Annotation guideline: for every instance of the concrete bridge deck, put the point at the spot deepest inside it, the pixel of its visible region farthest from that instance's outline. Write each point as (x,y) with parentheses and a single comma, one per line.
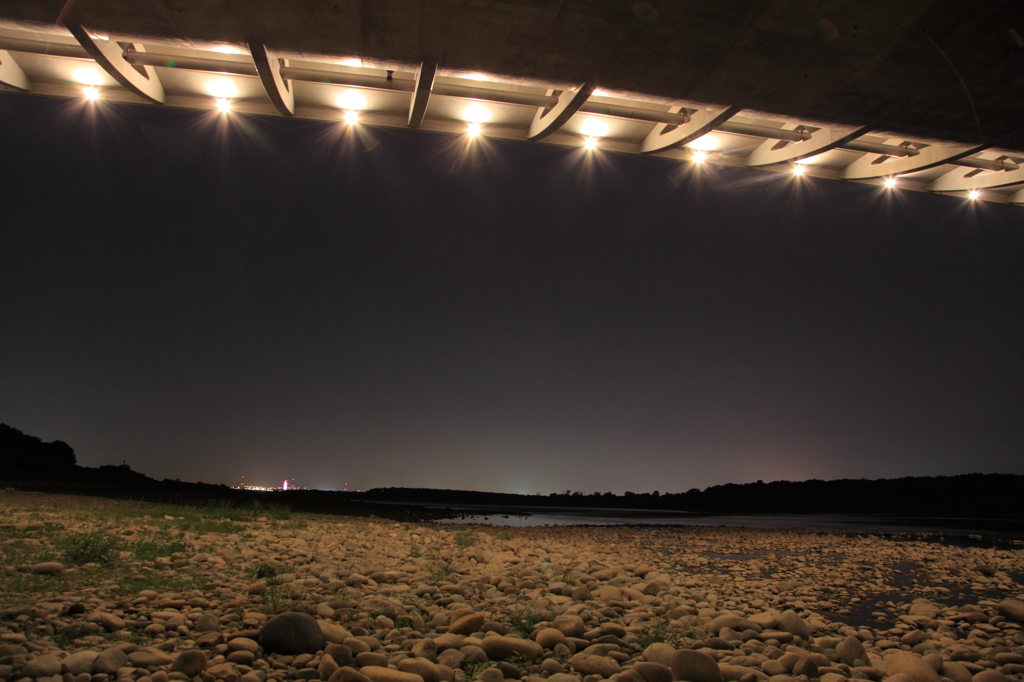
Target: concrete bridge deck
(923,94)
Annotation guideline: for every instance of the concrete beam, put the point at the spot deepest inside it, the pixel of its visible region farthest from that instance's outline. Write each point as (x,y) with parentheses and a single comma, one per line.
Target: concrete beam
(547,121)
(701,122)
(141,80)
(421,94)
(268,68)
(966,179)
(11,74)
(880,165)
(772,151)
(1016,198)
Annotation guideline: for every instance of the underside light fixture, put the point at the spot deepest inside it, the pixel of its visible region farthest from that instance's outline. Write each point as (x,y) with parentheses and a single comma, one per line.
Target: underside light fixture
(590,143)
(477,76)
(352,100)
(222,89)
(890,182)
(798,169)
(705,143)
(227,49)
(474,130)
(88,76)
(224,105)
(973,194)
(351,61)
(351,117)
(91,93)
(699,156)
(475,113)
(595,127)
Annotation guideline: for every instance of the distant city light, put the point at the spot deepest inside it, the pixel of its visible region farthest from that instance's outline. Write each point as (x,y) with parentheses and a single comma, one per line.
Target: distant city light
(890,182)
(474,130)
(699,157)
(475,113)
(590,143)
(223,105)
(91,93)
(285,486)
(973,194)
(351,100)
(798,170)
(595,127)
(351,117)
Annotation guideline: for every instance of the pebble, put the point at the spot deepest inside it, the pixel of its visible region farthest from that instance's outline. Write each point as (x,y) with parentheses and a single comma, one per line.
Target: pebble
(48,568)
(695,666)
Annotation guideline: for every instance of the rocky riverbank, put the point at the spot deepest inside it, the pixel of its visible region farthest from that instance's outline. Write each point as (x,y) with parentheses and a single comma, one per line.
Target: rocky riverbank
(97,591)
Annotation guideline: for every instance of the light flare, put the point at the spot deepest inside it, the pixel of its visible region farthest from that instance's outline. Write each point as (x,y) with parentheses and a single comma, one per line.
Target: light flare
(594,127)
(705,143)
(590,143)
(222,88)
(798,170)
(474,130)
(351,100)
(475,113)
(699,157)
(351,117)
(973,194)
(88,77)
(224,106)
(890,183)
(91,93)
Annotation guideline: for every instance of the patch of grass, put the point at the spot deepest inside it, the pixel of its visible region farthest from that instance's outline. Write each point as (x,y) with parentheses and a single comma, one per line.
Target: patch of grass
(465,538)
(522,619)
(201,525)
(149,550)
(505,535)
(88,548)
(266,571)
(563,575)
(658,630)
(441,566)
(474,668)
(416,551)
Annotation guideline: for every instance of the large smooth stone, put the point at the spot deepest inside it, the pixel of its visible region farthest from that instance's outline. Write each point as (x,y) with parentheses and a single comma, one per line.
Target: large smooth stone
(292,633)
(695,666)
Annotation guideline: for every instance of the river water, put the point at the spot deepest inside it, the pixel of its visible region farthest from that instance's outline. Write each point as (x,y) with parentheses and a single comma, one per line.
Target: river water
(558,516)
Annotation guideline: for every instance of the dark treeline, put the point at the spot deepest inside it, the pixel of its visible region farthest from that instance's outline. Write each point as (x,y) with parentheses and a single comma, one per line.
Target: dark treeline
(26,462)
(968,495)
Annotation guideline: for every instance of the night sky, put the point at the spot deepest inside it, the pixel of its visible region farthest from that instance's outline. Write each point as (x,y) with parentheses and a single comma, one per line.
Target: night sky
(208,298)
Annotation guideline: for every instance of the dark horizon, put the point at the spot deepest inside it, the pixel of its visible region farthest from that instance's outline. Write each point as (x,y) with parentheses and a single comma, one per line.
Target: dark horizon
(206,299)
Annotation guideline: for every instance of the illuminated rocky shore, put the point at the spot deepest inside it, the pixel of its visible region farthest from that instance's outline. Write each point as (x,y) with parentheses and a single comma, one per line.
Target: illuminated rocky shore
(96,590)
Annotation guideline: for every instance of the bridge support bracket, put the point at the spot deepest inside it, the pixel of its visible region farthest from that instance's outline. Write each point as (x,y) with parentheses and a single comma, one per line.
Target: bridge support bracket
(109,54)
(701,122)
(11,74)
(268,68)
(547,121)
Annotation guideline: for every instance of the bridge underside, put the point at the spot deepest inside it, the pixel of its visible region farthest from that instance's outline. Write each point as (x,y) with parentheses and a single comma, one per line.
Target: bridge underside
(928,92)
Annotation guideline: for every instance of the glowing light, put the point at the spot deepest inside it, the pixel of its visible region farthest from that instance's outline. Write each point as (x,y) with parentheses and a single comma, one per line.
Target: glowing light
(88,76)
(890,182)
(222,88)
(223,105)
(351,117)
(809,159)
(590,143)
(285,486)
(474,130)
(227,49)
(595,127)
(91,93)
(352,61)
(475,113)
(477,76)
(798,170)
(699,157)
(352,100)
(973,194)
(705,143)
(599,93)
